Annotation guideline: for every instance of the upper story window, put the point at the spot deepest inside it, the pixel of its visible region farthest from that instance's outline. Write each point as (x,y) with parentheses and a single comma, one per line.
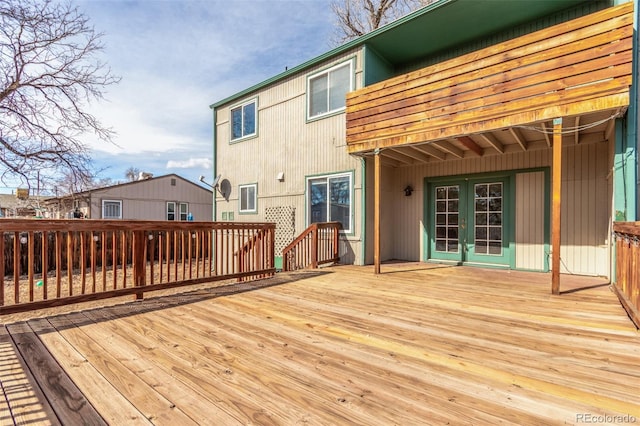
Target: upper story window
(244,120)
(111,209)
(248,198)
(327,90)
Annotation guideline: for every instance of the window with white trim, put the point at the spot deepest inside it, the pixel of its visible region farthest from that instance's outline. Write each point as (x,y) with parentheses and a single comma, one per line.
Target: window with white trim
(327,90)
(184,211)
(171,210)
(244,120)
(248,198)
(111,209)
(329,199)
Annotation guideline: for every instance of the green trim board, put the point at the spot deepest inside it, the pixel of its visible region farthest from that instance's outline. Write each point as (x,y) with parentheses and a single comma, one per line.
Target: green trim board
(469,224)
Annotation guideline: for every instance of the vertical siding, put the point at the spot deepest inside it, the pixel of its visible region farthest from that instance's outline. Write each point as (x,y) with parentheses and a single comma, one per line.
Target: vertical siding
(585,215)
(287,143)
(529,221)
(147,199)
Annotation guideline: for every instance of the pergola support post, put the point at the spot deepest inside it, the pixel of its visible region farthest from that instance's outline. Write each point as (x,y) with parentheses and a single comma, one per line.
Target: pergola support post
(376,212)
(555,205)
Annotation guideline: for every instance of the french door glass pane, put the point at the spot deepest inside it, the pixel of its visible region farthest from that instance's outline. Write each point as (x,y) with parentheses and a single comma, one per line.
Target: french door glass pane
(447,209)
(488,218)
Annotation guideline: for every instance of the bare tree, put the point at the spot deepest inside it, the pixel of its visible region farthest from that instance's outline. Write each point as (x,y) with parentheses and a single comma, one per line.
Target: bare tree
(49,73)
(132,173)
(355,18)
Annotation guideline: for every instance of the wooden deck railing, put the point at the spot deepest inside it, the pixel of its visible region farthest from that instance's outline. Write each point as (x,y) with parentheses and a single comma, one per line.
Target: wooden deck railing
(316,245)
(46,263)
(627,285)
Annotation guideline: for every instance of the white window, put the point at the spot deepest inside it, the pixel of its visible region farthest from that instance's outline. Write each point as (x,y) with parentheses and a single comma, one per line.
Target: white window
(327,90)
(329,199)
(111,209)
(171,210)
(248,198)
(184,211)
(244,120)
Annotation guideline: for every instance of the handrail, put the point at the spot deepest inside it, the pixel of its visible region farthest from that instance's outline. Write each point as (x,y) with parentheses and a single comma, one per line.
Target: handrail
(627,283)
(258,247)
(316,245)
(46,263)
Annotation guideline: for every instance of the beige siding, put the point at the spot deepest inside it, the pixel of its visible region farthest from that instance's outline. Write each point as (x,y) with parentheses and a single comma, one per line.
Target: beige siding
(148,199)
(585,204)
(287,143)
(529,221)
(585,210)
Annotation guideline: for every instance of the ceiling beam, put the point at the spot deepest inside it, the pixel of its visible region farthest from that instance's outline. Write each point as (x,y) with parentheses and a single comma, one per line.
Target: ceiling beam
(450,148)
(414,153)
(471,144)
(397,156)
(611,125)
(429,150)
(546,132)
(517,135)
(576,136)
(493,141)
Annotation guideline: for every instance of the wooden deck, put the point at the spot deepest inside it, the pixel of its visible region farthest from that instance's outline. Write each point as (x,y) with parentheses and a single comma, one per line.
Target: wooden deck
(417,344)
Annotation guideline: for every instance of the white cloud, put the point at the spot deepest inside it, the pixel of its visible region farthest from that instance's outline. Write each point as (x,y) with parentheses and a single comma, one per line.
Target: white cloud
(177,57)
(204,163)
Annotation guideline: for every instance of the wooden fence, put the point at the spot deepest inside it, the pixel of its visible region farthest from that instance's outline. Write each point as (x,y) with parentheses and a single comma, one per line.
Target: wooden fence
(627,285)
(48,263)
(316,245)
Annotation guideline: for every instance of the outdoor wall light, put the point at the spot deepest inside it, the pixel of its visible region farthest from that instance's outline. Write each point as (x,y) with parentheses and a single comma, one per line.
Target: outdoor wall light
(408,190)
(280,176)
(23,239)
(150,237)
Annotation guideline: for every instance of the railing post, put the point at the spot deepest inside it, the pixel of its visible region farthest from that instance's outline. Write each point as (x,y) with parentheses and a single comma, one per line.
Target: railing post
(336,240)
(139,262)
(314,247)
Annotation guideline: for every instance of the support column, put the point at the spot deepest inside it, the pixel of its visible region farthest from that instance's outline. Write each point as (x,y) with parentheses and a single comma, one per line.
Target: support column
(376,212)
(555,205)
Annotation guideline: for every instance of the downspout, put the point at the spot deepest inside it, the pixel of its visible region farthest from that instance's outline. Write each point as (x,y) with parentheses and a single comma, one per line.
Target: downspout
(215,164)
(363,207)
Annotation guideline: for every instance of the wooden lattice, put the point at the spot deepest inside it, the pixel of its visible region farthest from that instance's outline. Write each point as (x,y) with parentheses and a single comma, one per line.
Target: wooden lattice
(284,218)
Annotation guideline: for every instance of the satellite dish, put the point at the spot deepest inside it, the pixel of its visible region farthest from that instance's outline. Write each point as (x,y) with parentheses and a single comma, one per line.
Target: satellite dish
(216,181)
(225,189)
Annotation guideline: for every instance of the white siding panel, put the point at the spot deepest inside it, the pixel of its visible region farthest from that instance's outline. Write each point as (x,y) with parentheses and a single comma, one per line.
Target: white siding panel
(529,221)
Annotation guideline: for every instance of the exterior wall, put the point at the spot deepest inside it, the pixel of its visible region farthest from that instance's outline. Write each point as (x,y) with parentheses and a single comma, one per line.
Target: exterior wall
(530,221)
(586,202)
(288,143)
(147,200)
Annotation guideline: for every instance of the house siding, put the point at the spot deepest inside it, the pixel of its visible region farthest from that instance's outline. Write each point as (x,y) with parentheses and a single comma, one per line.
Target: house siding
(586,201)
(288,143)
(146,200)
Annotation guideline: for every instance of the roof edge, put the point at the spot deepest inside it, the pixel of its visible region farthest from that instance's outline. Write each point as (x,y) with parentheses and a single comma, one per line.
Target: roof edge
(334,52)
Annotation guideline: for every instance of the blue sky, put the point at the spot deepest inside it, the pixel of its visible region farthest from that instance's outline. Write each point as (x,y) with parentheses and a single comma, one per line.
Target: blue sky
(178,57)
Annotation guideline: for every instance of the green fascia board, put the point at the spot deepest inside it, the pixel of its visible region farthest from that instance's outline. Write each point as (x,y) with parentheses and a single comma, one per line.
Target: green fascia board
(431,29)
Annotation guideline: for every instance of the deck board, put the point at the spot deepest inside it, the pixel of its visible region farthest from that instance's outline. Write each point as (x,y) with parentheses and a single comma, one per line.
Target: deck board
(417,344)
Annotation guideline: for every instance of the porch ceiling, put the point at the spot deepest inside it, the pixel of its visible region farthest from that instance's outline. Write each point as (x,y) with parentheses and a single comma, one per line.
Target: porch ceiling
(503,98)
(596,127)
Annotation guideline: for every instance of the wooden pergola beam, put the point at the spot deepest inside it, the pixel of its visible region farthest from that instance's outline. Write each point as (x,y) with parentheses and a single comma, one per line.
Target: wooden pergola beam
(517,135)
(471,144)
(555,205)
(431,151)
(450,148)
(493,141)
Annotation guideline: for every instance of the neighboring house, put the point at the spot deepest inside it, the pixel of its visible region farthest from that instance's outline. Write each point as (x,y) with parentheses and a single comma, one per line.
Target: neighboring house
(20,204)
(432,138)
(168,197)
